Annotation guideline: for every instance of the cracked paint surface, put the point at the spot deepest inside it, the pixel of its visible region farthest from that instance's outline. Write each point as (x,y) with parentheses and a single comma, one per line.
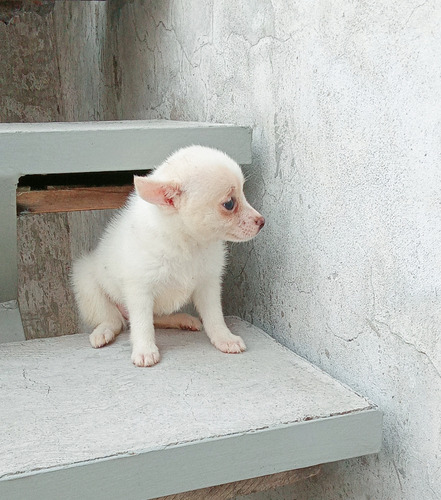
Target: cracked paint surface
(343,100)
(133,416)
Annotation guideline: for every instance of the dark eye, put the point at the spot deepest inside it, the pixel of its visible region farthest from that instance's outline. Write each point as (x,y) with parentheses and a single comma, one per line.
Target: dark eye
(229,205)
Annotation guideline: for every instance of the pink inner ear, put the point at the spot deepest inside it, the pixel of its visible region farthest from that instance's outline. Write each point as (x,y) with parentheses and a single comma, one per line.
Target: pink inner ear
(158,193)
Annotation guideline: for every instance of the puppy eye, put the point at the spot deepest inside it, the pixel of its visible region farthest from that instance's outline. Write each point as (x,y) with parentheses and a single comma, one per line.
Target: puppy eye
(229,205)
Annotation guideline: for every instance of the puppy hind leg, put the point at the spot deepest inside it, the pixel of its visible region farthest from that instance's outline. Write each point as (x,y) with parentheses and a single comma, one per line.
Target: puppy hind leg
(108,319)
(95,307)
(109,322)
(181,321)
(104,333)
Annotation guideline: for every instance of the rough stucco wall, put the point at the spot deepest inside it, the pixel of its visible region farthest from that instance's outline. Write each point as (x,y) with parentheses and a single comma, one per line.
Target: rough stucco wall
(343,98)
(28,68)
(53,62)
(84,49)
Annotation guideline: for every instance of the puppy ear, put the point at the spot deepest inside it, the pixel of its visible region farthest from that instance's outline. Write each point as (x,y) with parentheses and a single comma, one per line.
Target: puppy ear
(159,193)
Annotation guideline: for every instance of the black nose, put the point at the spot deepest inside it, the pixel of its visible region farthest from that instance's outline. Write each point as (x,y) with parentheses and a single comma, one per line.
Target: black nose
(260,221)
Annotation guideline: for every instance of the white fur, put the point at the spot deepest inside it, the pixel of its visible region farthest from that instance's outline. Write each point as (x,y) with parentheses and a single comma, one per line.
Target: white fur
(164,249)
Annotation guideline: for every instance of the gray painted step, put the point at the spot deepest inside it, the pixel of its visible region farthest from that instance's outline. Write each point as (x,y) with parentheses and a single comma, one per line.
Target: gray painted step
(11,328)
(85,423)
(44,148)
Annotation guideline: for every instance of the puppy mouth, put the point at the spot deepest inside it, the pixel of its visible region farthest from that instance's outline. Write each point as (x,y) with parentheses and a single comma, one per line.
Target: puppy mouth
(247,230)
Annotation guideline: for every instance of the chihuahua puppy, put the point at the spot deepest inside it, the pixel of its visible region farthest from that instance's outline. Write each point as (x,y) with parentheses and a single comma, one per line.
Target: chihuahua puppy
(164,249)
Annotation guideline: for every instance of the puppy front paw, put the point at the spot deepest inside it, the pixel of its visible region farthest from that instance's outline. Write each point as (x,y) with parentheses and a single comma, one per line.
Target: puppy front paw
(231,345)
(145,357)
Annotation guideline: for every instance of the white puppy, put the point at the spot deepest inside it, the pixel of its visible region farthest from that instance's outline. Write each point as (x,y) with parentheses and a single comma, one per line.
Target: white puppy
(165,248)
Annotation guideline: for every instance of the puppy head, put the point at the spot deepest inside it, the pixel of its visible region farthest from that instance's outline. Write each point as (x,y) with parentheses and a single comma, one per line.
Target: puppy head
(204,188)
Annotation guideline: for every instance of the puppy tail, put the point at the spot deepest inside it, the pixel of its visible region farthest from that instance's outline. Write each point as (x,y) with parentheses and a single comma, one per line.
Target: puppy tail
(94,305)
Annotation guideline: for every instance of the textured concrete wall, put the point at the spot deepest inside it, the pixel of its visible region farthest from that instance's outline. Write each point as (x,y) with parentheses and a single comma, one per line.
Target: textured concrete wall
(54,61)
(344,100)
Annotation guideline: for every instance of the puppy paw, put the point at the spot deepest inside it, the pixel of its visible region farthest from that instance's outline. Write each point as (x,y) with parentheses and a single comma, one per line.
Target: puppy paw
(230,345)
(182,321)
(188,322)
(101,336)
(146,357)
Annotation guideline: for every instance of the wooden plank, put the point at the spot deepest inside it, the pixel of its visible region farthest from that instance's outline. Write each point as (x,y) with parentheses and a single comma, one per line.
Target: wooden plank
(44,148)
(71,200)
(255,485)
(200,464)
(88,423)
(45,298)
(47,246)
